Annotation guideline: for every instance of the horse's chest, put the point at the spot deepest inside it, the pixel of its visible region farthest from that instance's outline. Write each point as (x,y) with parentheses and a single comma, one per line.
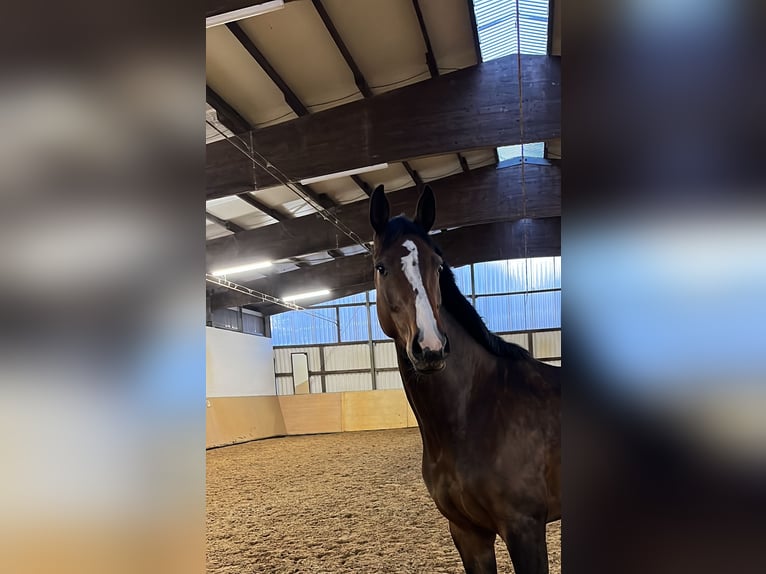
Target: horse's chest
(460,494)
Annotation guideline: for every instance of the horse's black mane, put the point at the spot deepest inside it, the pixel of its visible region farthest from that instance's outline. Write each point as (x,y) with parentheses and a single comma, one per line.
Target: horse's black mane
(452,299)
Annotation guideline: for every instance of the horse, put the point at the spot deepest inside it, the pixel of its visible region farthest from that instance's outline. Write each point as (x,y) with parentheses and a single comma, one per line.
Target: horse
(488,412)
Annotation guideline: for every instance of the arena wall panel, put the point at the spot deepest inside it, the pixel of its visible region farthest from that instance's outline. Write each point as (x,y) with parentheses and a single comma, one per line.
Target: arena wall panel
(347,357)
(312,414)
(388,380)
(547,344)
(385,355)
(283,364)
(374,410)
(230,420)
(348,382)
(520,339)
(237,364)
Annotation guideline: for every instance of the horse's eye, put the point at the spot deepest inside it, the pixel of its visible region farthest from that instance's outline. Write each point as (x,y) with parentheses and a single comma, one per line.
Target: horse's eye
(439,269)
(380,269)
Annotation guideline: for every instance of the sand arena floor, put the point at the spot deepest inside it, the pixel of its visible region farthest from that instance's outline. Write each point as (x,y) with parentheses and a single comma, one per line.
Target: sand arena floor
(340,503)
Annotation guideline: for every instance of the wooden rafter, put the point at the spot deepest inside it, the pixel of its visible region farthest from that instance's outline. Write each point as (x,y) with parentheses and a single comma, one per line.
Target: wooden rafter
(359,80)
(433,68)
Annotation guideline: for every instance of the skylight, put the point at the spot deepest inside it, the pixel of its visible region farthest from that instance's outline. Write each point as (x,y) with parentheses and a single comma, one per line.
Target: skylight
(512,151)
(496,23)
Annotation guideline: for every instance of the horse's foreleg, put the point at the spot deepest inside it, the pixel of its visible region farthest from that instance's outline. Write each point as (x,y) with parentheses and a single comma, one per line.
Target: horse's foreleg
(527,548)
(476,548)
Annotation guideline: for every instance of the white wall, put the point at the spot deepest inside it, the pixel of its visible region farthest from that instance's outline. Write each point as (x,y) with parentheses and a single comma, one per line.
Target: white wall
(238,365)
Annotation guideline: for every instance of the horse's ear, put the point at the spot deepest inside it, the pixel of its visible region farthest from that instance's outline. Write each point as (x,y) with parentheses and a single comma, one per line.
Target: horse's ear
(379,210)
(426,211)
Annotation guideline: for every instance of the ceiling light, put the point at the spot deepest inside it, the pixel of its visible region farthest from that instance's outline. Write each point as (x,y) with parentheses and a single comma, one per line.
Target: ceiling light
(243,13)
(241,268)
(348,172)
(308,295)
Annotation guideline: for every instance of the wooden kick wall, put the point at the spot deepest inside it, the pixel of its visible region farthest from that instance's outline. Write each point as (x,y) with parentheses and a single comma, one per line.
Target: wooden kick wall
(232,420)
(346,411)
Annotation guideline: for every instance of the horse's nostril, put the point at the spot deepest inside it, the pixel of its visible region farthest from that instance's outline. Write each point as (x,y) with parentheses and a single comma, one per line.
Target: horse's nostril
(446,346)
(417,350)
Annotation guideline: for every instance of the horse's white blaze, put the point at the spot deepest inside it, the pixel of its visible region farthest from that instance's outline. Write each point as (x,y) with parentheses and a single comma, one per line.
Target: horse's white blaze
(424,315)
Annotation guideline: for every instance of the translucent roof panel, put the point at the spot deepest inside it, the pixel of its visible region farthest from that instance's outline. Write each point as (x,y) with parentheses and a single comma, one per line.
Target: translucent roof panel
(496,22)
(513,151)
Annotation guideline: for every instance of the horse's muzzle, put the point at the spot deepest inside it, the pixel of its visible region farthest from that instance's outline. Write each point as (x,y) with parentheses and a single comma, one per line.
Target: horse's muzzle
(427,361)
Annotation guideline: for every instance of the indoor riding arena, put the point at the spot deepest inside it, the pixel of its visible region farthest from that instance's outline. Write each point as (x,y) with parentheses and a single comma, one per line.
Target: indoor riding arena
(315,452)
(346,503)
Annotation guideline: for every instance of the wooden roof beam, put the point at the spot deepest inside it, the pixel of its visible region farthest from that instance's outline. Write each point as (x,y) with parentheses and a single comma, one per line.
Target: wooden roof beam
(502,240)
(482,111)
(230,225)
(227,115)
(260,206)
(483,195)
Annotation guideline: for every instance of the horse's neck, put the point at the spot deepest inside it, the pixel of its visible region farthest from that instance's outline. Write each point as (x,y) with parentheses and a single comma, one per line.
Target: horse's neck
(442,401)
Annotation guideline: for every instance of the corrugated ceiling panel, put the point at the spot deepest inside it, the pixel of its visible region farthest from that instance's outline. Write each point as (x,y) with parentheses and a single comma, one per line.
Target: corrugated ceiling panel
(341,190)
(394,177)
(234,74)
(479,158)
(229,207)
(449,28)
(347,357)
(214,231)
(296,43)
(436,167)
(384,39)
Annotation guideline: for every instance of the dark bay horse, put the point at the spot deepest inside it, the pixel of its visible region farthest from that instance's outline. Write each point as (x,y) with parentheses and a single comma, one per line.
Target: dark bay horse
(489,414)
